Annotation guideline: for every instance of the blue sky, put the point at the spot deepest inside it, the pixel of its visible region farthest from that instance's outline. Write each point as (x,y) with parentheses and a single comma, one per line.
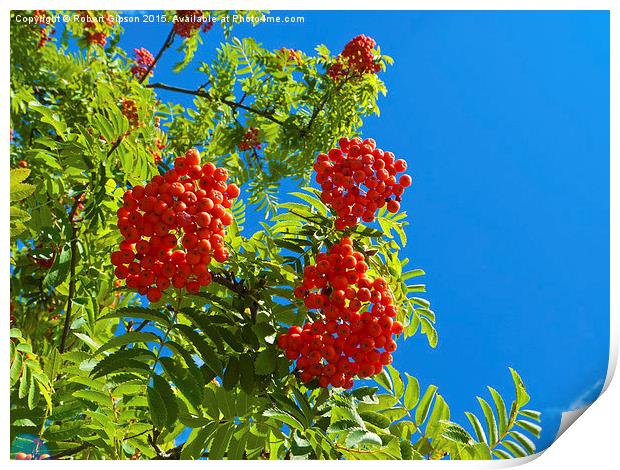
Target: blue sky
(504,120)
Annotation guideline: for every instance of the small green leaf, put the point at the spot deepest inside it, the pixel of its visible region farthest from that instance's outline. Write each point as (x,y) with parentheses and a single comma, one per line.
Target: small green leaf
(231,374)
(128,338)
(477,425)
(265,361)
(164,390)
(490,419)
(412,392)
(423,408)
(157,408)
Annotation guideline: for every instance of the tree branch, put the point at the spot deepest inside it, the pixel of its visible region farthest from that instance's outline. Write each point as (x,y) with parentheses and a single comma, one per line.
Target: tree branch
(73,263)
(323,102)
(204,94)
(167,44)
(230,283)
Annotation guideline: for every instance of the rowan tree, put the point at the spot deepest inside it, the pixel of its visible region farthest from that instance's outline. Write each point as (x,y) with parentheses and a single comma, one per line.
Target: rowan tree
(147,323)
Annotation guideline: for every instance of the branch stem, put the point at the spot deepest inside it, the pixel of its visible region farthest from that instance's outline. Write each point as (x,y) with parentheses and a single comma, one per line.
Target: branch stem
(73,263)
(204,94)
(166,45)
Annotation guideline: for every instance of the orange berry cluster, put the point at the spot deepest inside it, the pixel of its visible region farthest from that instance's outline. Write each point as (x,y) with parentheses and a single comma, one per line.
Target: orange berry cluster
(144,59)
(343,172)
(44,20)
(130,111)
(356,57)
(249,140)
(342,343)
(293,55)
(91,33)
(25,456)
(98,38)
(173,226)
(188,21)
(157,153)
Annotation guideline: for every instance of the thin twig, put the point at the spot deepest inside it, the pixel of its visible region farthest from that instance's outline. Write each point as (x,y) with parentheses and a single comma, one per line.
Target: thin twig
(167,44)
(323,102)
(73,263)
(204,94)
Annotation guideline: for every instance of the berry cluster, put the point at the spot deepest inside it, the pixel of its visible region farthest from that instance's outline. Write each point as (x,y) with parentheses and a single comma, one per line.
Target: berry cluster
(144,60)
(188,21)
(249,140)
(343,171)
(357,57)
(97,38)
(183,215)
(25,456)
(292,55)
(130,111)
(92,34)
(157,153)
(342,342)
(44,20)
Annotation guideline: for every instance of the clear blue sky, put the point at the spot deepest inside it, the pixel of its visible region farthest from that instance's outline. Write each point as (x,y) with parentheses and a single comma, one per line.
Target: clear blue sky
(504,120)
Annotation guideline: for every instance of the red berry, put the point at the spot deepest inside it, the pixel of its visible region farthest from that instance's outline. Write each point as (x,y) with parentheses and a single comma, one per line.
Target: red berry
(153,294)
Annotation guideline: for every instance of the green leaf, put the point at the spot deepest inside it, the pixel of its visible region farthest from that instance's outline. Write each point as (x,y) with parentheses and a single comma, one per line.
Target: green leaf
(342,425)
(408,452)
(522,397)
(412,392)
(456,433)
(121,360)
(138,312)
(18,175)
(502,454)
(530,427)
(16,368)
(162,387)
(197,443)
(440,413)
(514,448)
(265,361)
(535,415)
(283,417)
(21,191)
(525,441)
(52,364)
(375,419)
(236,447)
(500,406)
(94,396)
(128,338)
(209,357)
(60,268)
(359,437)
(490,419)
(231,374)
(184,380)
(157,408)
(477,425)
(383,379)
(220,441)
(425,404)
(246,369)
(397,381)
